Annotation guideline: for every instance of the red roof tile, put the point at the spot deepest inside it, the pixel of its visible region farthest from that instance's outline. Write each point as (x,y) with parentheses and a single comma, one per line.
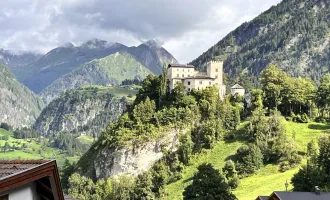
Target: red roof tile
(9,167)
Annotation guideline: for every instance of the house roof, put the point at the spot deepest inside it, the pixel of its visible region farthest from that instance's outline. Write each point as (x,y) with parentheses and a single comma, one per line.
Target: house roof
(301,195)
(16,173)
(181,65)
(11,167)
(262,197)
(237,86)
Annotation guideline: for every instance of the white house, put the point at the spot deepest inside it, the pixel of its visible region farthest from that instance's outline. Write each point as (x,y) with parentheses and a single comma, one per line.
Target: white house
(193,79)
(237,89)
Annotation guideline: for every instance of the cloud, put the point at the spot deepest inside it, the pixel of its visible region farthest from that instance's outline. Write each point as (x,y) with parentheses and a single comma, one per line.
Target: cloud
(187,27)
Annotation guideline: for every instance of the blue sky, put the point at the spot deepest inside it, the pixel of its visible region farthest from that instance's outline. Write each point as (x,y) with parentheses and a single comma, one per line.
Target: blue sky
(186,28)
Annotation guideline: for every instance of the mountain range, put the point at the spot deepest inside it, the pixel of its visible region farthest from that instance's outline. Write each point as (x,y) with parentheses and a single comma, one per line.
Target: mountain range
(37,72)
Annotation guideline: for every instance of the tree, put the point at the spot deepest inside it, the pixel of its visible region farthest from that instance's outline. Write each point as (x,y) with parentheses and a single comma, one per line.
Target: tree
(144,111)
(249,159)
(272,81)
(323,94)
(65,172)
(123,187)
(143,187)
(81,187)
(103,189)
(185,148)
(256,98)
(6,147)
(151,87)
(208,184)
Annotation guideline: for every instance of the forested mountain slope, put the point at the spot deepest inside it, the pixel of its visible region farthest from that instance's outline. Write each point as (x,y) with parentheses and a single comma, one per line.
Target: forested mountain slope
(111,70)
(86,110)
(18,105)
(295,34)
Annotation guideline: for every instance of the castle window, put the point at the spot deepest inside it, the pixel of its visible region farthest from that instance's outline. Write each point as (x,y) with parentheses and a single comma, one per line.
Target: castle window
(216,76)
(216,70)
(182,75)
(188,89)
(200,82)
(188,75)
(188,82)
(198,88)
(210,83)
(188,70)
(177,75)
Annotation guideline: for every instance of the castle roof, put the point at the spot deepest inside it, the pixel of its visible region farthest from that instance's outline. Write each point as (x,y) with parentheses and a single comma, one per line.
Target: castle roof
(237,86)
(181,65)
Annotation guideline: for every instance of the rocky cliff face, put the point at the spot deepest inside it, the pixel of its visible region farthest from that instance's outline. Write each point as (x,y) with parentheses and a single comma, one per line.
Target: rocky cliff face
(102,161)
(18,105)
(84,110)
(110,162)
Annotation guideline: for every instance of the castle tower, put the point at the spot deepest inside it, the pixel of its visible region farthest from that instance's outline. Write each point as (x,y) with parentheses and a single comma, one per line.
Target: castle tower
(215,70)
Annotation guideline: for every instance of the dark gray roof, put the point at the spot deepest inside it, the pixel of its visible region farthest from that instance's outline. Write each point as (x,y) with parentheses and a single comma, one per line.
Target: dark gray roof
(302,195)
(181,65)
(263,197)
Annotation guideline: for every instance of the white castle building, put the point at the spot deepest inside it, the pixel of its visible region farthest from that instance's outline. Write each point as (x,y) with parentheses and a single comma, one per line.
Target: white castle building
(193,79)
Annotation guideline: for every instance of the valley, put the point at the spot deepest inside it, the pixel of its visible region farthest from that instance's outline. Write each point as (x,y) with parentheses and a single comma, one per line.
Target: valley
(249,114)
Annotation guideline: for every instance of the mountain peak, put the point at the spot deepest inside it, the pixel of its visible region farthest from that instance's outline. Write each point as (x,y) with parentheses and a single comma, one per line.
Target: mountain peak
(67,45)
(153,43)
(96,43)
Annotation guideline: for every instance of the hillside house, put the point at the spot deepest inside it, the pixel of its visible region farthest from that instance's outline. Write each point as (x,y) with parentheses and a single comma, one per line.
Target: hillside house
(194,79)
(296,196)
(30,180)
(237,89)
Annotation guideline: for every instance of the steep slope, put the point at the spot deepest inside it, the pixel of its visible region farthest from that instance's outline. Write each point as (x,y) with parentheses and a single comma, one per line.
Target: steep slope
(111,70)
(18,105)
(152,55)
(63,60)
(84,110)
(295,34)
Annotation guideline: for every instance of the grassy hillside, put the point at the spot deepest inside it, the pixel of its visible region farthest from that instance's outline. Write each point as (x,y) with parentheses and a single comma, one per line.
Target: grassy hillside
(31,149)
(268,179)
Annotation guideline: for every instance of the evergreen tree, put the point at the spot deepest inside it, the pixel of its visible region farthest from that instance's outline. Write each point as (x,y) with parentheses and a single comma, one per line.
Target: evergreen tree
(208,184)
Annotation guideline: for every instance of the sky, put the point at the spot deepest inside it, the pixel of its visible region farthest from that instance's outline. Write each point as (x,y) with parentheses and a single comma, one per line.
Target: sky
(186,28)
